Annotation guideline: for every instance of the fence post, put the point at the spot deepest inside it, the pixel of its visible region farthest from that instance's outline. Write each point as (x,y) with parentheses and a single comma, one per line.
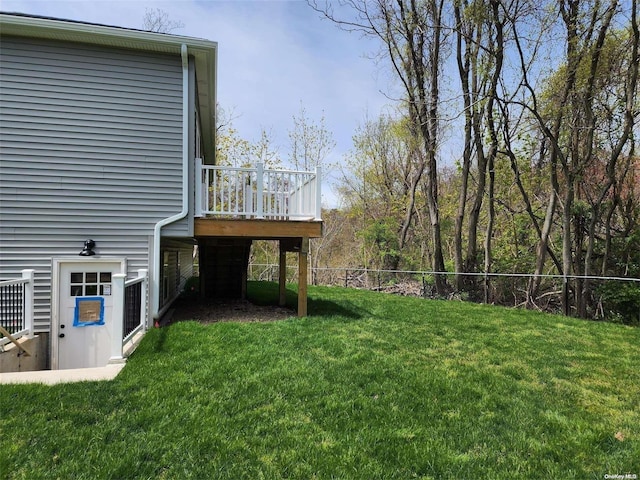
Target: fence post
(565,295)
(259,190)
(144,273)
(117,317)
(486,288)
(28,299)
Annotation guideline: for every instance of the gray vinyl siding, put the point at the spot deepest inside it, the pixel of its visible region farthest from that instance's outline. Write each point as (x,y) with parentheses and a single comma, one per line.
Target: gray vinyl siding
(90,147)
(177,258)
(184,227)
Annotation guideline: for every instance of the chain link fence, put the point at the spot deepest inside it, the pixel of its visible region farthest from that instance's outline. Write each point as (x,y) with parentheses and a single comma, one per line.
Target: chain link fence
(600,298)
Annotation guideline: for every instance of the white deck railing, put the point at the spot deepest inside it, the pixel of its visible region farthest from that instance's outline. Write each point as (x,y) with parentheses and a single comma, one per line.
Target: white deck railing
(129,311)
(16,306)
(257,193)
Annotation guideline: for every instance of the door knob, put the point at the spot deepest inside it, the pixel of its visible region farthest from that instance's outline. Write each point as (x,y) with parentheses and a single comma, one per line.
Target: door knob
(61,335)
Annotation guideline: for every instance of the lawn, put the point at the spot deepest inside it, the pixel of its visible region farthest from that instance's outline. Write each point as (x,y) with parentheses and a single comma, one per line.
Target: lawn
(369,386)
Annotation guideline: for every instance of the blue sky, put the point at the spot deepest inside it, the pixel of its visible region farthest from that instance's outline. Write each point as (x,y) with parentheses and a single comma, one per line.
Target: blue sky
(273,57)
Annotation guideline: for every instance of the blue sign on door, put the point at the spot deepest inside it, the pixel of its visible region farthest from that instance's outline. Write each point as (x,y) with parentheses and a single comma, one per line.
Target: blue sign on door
(89,311)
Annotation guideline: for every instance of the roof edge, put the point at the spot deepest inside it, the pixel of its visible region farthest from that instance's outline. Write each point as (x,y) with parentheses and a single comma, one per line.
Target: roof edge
(45,27)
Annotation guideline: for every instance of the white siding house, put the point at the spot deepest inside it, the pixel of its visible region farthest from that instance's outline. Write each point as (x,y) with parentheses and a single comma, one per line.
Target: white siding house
(108,134)
(98,141)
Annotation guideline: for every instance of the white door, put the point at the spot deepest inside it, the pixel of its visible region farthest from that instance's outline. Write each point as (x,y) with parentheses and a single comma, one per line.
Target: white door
(82,329)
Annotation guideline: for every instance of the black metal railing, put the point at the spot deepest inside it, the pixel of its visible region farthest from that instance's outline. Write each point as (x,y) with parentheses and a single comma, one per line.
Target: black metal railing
(132,308)
(12,306)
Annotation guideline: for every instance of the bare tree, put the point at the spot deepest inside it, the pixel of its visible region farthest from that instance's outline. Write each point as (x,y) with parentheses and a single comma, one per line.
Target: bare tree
(157,20)
(412,35)
(479,52)
(311,142)
(566,115)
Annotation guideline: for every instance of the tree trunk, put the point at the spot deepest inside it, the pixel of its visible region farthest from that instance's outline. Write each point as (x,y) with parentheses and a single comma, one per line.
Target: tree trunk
(498,50)
(489,232)
(463,70)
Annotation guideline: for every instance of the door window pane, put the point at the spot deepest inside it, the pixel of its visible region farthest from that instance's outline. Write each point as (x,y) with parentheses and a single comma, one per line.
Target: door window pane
(90,283)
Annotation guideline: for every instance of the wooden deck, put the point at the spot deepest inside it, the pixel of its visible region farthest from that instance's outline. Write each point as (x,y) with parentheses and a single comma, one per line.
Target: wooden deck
(236,205)
(293,236)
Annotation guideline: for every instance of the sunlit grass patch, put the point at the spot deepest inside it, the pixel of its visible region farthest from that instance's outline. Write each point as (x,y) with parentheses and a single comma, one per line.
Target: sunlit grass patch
(367,386)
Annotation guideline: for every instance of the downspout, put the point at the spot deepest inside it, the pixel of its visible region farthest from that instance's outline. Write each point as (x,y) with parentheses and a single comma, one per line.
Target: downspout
(155,281)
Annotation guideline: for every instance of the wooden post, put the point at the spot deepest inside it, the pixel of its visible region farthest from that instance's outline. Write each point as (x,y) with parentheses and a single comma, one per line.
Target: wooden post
(243,286)
(13,340)
(282,277)
(302,277)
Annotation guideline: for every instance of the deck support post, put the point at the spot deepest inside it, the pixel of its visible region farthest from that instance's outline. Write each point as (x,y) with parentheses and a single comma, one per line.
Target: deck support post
(243,286)
(282,277)
(303,255)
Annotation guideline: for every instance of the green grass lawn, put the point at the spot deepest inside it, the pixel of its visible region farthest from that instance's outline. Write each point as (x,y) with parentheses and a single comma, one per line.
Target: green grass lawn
(369,386)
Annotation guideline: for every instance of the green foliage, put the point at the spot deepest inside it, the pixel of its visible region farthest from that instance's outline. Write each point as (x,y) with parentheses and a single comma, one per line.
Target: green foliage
(621,301)
(382,238)
(379,177)
(514,248)
(234,150)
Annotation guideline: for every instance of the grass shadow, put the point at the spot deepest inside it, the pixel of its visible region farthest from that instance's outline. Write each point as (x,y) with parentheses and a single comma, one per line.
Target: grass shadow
(159,339)
(267,293)
(322,308)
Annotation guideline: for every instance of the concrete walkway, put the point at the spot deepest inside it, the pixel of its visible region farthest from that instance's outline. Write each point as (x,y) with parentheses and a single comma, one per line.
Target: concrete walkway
(71,375)
(51,377)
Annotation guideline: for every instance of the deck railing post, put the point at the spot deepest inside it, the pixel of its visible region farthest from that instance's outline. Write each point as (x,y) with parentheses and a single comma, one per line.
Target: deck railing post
(117,317)
(318,193)
(259,190)
(199,181)
(144,273)
(28,300)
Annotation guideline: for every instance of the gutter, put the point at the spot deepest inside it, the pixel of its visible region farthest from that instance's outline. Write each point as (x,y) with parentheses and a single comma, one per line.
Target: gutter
(155,259)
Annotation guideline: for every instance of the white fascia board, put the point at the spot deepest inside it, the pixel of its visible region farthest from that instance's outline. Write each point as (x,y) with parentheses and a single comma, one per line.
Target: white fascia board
(99,34)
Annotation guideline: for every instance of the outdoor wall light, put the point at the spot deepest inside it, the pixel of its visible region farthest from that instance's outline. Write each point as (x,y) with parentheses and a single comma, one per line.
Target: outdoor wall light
(87,251)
